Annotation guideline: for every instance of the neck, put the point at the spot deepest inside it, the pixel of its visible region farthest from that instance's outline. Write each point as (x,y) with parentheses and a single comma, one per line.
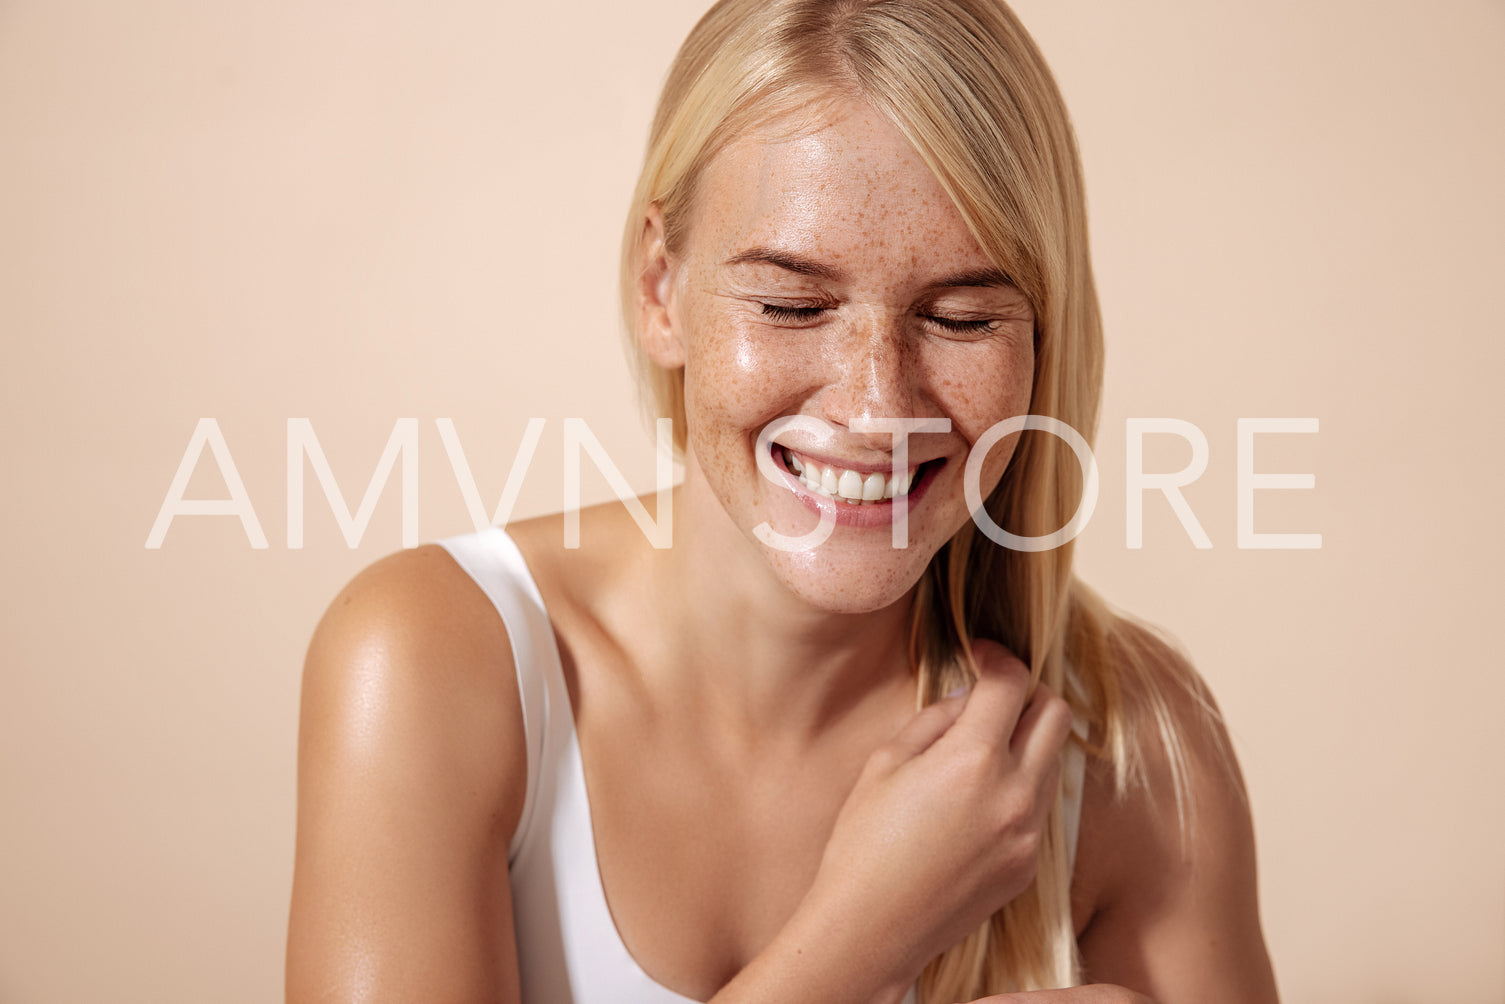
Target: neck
(739,649)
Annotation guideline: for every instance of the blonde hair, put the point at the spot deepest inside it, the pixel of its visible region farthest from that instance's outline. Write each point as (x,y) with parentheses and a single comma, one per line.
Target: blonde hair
(965,84)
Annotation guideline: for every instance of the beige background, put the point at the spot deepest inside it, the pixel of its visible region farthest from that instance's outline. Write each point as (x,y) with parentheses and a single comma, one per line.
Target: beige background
(356,213)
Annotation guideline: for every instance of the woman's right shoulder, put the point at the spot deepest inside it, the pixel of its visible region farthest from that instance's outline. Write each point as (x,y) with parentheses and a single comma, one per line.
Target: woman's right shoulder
(411,778)
(411,596)
(410,665)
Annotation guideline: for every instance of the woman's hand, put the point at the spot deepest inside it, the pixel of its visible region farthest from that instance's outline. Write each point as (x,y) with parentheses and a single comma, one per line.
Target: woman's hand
(944,823)
(940,831)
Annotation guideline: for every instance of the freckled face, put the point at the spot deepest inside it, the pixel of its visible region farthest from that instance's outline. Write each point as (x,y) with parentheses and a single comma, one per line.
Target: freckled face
(827,274)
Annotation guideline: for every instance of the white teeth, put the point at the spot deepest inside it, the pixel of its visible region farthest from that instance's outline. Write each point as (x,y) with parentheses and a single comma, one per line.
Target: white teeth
(852,487)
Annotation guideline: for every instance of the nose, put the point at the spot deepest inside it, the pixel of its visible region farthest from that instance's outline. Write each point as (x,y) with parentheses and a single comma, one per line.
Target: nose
(877,371)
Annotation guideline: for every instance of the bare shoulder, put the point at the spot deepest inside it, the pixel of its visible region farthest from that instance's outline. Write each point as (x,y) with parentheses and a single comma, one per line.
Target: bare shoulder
(1182,773)
(411,646)
(408,597)
(1167,864)
(411,776)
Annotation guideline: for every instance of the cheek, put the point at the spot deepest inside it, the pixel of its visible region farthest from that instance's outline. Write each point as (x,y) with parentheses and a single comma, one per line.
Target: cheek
(736,381)
(737,368)
(982,390)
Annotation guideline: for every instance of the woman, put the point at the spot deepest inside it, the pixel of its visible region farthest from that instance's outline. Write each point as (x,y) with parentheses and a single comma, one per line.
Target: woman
(619,773)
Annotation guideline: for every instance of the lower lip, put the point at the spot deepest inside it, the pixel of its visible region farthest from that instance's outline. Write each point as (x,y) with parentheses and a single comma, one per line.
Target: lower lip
(868,514)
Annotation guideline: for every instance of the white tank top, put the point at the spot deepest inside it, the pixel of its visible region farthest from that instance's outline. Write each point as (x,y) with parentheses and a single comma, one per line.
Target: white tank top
(568,948)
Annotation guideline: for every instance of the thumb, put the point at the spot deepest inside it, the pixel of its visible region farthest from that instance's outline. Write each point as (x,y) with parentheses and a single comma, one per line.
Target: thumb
(928,725)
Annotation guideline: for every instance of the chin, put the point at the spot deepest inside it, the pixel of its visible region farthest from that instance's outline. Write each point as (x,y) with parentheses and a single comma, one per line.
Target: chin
(842,581)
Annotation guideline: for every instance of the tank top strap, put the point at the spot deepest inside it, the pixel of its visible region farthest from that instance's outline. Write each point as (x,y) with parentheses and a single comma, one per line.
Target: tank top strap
(569,949)
(491,558)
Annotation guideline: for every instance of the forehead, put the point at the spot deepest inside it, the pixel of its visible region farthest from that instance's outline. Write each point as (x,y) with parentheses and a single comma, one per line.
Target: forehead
(841,185)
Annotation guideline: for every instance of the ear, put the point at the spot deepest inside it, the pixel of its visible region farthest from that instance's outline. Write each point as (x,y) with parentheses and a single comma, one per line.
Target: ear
(658,320)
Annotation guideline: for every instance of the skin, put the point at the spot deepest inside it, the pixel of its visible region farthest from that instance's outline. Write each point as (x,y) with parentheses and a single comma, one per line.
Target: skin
(765,801)
(888,334)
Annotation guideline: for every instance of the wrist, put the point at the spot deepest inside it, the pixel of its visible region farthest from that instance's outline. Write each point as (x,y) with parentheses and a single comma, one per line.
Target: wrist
(849,939)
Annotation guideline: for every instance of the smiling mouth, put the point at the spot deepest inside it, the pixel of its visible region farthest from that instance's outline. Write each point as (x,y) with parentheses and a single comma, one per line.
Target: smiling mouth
(857,488)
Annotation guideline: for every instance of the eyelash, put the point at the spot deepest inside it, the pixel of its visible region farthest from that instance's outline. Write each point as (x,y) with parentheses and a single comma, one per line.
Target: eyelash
(797,314)
(779,313)
(961,327)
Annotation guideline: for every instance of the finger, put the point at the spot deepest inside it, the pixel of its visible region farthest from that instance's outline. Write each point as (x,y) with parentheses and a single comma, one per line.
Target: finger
(997,698)
(1042,730)
(928,725)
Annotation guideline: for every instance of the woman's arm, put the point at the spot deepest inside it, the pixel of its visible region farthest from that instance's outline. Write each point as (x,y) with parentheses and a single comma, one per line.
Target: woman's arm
(410,783)
(1175,920)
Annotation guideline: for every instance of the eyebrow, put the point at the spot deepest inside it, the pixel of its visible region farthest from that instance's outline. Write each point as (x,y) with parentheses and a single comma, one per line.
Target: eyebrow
(788,261)
(801,265)
(974,277)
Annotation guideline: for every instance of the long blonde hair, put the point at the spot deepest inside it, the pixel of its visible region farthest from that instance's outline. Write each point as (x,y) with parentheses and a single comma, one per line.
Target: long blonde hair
(965,84)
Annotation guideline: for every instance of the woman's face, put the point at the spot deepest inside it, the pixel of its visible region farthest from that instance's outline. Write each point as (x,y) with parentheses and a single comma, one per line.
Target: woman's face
(826,273)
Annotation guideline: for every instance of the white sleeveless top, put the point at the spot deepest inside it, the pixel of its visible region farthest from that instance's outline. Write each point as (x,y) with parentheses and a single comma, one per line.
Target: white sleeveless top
(568,948)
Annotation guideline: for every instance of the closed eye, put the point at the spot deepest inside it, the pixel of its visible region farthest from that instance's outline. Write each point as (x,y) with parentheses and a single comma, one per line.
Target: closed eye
(961,326)
(952,325)
(795,314)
